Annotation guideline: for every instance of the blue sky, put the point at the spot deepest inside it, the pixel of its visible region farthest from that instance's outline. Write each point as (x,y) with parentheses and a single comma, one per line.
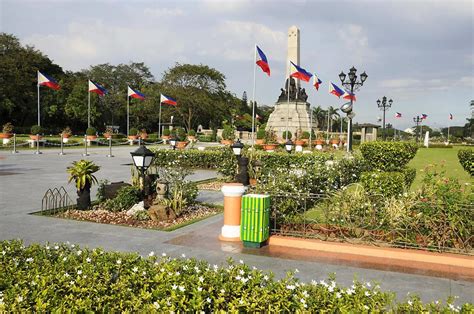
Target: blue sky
(419,53)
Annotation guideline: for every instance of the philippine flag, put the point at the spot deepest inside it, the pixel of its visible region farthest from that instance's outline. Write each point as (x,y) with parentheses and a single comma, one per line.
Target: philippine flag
(316,82)
(450,116)
(44,80)
(335,90)
(398,115)
(257,117)
(299,73)
(96,88)
(262,61)
(424,116)
(168,100)
(349,96)
(135,94)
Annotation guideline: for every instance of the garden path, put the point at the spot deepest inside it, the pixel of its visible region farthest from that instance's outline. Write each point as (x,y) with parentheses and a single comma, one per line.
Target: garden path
(25,177)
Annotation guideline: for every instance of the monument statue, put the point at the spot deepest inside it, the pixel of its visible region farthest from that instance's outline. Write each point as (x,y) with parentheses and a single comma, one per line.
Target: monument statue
(292,110)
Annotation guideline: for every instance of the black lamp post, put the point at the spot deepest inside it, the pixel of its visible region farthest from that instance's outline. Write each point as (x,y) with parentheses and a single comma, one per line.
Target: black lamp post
(384,106)
(173,141)
(353,85)
(289,146)
(142,159)
(417,120)
(243,162)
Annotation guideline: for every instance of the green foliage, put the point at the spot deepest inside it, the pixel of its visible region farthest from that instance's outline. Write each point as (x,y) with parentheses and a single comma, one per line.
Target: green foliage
(180,191)
(180,134)
(133,132)
(82,173)
(305,135)
(76,279)
(466,159)
(101,190)
(7,128)
(91,131)
(67,131)
(36,129)
(387,184)
(388,156)
(270,137)
(127,196)
(439,145)
(192,132)
(166,132)
(261,134)
(228,133)
(287,136)
(410,174)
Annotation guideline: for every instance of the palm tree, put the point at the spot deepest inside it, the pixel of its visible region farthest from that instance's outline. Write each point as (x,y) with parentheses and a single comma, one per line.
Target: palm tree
(82,173)
(319,115)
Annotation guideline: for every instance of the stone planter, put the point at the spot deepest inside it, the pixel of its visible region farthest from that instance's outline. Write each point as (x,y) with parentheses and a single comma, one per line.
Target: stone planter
(91,137)
(319,142)
(227,142)
(191,138)
(181,144)
(5,135)
(260,141)
(107,135)
(35,138)
(133,137)
(270,147)
(299,143)
(144,136)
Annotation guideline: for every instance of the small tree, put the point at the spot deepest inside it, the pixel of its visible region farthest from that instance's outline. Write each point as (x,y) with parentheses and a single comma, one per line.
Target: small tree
(36,129)
(82,173)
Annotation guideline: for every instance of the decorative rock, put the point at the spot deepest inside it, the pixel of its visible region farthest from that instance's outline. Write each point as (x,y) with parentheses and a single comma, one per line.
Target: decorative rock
(136,208)
(201,148)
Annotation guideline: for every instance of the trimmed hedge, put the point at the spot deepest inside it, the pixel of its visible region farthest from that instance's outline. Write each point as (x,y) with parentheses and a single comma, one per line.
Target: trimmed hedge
(66,278)
(388,156)
(466,159)
(386,184)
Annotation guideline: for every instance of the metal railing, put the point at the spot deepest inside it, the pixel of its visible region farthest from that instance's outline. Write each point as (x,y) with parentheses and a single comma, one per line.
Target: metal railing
(56,200)
(316,216)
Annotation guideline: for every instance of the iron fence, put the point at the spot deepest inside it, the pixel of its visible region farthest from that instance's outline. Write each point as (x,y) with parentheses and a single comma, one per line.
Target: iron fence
(56,200)
(426,226)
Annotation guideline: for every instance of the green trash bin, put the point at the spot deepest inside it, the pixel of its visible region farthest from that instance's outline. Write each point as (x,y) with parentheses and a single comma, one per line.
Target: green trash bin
(255,220)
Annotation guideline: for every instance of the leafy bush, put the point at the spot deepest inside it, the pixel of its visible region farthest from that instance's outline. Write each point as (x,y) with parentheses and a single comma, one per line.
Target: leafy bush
(387,184)
(126,198)
(305,135)
(166,132)
(180,191)
(466,159)
(8,128)
(261,133)
(388,156)
(410,174)
(284,135)
(439,145)
(228,133)
(91,131)
(36,129)
(192,132)
(75,279)
(133,132)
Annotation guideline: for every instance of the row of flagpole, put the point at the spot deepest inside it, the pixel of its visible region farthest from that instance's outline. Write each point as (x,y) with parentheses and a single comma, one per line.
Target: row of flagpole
(93,87)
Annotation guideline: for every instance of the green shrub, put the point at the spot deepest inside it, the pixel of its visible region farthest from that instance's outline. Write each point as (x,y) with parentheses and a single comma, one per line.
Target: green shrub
(91,131)
(386,184)
(466,159)
(439,145)
(305,135)
(228,133)
(76,279)
(8,128)
(180,191)
(133,132)
(388,156)
(284,135)
(127,196)
(36,129)
(410,174)
(261,133)
(180,134)
(192,132)
(166,132)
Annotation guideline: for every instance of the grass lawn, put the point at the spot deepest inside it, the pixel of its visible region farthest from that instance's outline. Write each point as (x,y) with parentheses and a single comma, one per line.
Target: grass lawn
(439,156)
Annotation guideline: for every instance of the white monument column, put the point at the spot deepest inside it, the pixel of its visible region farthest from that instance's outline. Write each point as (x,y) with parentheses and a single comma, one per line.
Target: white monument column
(293,50)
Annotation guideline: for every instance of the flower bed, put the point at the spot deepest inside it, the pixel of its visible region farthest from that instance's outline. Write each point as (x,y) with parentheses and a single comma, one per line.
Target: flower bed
(67,278)
(192,213)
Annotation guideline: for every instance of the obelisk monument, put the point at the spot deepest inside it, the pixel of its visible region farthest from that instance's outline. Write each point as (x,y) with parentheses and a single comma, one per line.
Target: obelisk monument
(292,111)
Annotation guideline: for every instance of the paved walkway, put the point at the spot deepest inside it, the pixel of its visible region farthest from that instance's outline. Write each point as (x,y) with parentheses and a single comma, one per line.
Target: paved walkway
(25,177)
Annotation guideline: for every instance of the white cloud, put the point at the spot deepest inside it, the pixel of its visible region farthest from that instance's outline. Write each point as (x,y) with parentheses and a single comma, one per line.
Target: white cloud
(163,12)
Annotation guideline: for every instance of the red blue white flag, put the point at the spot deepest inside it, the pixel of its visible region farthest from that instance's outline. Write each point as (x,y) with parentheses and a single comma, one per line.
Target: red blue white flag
(44,80)
(135,94)
(168,100)
(299,73)
(424,116)
(450,116)
(96,88)
(398,115)
(349,96)
(316,82)
(262,61)
(335,90)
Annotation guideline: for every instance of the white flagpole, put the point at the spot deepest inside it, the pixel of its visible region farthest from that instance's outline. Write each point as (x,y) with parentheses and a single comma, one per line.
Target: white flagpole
(88,107)
(288,103)
(39,113)
(448,131)
(159,121)
(128,114)
(253,94)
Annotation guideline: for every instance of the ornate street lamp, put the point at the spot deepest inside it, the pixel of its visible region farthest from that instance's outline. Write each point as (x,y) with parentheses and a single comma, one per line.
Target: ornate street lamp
(142,159)
(237,148)
(289,146)
(351,83)
(417,120)
(173,141)
(384,106)
(243,162)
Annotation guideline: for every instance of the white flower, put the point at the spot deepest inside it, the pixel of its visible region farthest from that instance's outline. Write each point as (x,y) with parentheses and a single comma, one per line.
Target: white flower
(305,293)
(242,272)
(296,270)
(350,291)
(150,255)
(163,254)
(244,280)
(79,252)
(79,272)
(254,268)
(322,282)
(19,298)
(183,255)
(119,261)
(71,282)
(215,267)
(29,259)
(290,287)
(3,252)
(201,279)
(410,303)
(330,288)
(314,282)
(451,307)
(174,287)
(367,294)
(222,291)
(368,284)
(181,288)
(88,260)
(73,246)
(162,270)
(265,277)
(366,307)
(56,247)
(33,283)
(302,300)
(338,295)
(199,289)
(66,275)
(156,305)
(238,277)
(143,273)
(135,269)
(47,247)
(208,300)
(177,273)
(241,261)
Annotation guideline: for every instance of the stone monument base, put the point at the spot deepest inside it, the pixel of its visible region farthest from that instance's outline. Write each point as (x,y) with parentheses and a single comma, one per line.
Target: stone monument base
(298,113)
